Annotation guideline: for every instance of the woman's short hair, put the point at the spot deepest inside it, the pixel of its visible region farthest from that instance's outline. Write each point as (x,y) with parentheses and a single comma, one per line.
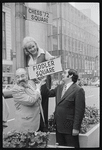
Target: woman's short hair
(74,73)
(28,39)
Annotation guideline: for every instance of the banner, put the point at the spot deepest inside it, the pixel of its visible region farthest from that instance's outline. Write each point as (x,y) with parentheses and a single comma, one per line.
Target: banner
(33,14)
(45,68)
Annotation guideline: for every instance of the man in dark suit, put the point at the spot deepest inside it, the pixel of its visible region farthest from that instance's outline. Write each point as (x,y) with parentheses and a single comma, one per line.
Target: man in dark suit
(70,108)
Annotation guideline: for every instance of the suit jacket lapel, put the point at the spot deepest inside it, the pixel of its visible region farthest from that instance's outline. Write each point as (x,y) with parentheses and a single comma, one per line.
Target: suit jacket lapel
(67,93)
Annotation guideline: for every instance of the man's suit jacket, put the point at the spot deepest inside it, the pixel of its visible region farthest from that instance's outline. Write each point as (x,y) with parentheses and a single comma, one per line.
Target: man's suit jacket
(70,109)
(27,103)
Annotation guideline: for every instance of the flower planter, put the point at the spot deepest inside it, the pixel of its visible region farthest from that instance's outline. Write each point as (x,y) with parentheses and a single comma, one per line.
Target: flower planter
(90,139)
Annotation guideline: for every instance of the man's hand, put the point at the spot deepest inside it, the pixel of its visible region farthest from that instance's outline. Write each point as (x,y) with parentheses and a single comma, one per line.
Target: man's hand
(25,85)
(41,83)
(75,132)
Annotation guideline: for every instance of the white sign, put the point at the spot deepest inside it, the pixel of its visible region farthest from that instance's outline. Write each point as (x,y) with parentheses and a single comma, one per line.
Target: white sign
(45,68)
(38,15)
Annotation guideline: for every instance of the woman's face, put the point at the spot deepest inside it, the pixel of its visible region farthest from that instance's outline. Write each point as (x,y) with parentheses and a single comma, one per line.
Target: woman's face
(32,48)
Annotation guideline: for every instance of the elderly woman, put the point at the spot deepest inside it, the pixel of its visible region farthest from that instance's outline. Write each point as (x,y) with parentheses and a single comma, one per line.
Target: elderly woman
(35,55)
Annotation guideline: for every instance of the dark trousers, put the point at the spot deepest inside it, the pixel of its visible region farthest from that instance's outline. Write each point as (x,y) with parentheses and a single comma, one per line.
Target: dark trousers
(67,140)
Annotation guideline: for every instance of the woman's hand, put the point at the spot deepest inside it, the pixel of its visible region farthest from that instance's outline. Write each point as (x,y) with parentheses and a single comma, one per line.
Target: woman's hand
(41,82)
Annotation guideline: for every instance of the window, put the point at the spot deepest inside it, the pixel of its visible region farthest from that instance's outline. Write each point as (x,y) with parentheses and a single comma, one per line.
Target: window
(54,27)
(58,10)
(81,47)
(63,10)
(49,44)
(54,10)
(63,26)
(59,42)
(59,26)
(55,44)
(49,30)
(71,43)
(76,62)
(68,28)
(68,41)
(78,46)
(65,42)
(82,62)
(69,61)
(66,59)
(3,36)
(73,62)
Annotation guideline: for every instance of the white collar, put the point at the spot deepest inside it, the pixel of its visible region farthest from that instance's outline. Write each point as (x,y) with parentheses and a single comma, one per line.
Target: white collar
(69,84)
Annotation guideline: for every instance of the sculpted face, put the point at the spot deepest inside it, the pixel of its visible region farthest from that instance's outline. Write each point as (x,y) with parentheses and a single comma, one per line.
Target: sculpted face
(31,48)
(21,76)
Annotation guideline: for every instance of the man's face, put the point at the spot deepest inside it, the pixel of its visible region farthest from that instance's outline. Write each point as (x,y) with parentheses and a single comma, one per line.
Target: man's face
(21,76)
(64,75)
(32,48)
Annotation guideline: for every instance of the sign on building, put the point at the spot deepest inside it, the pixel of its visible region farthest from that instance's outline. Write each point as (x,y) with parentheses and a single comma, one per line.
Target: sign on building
(45,68)
(7,68)
(33,14)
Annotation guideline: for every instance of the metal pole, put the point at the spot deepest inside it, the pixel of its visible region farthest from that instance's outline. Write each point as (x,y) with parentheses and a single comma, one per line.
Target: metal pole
(19,33)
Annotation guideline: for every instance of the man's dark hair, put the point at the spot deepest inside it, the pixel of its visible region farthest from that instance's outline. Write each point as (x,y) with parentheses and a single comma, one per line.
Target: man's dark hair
(75,75)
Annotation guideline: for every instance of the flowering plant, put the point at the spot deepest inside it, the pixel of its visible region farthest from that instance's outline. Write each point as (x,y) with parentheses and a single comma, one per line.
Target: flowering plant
(28,139)
(91,117)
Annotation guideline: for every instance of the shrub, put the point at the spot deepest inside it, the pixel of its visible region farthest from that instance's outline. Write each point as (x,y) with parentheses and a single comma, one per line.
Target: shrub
(28,139)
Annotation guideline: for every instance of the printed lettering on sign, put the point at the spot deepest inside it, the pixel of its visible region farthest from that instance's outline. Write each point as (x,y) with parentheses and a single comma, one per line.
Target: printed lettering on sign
(45,68)
(39,16)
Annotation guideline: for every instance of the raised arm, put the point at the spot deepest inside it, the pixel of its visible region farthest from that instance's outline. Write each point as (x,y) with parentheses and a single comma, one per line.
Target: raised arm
(48,92)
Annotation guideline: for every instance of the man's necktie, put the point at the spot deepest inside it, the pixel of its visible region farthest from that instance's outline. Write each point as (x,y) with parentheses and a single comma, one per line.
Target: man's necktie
(64,89)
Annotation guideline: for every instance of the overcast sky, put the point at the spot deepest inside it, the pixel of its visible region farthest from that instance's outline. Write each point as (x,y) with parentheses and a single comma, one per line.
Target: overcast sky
(94,10)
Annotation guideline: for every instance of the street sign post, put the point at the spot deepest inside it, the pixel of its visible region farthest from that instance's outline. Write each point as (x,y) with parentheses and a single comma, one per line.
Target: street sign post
(40,16)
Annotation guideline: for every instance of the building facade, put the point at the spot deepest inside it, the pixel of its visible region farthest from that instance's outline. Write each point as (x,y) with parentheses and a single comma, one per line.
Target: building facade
(75,37)
(7,62)
(72,35)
